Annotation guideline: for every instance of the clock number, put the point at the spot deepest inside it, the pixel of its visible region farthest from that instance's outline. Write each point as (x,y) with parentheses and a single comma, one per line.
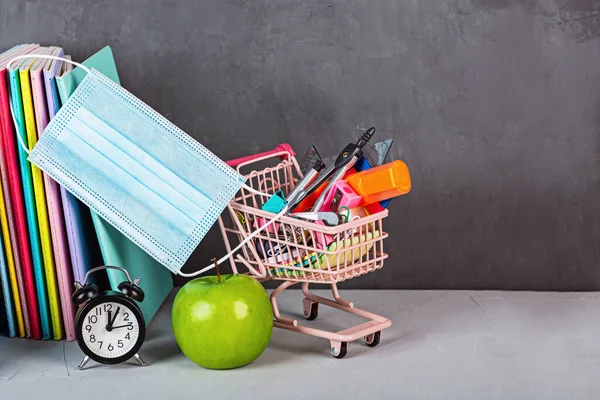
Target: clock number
(107,307)
(98,311)
(101,342)
(130,326)
(92,319)
(110,347)
(126,315)
(120,344)
(88,328)
(92,338)
(127,337)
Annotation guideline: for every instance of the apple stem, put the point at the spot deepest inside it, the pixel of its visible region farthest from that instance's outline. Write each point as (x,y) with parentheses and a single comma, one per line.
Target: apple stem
(217,268)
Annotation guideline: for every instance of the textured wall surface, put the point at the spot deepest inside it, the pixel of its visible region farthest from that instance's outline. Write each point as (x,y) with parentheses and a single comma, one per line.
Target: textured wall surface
(494,105)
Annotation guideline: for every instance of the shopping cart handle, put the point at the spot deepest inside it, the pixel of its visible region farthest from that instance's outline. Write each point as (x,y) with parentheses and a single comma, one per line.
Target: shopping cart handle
(283,147)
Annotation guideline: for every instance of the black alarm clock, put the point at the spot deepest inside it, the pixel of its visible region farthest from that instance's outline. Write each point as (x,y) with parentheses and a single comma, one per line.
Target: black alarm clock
(109,325)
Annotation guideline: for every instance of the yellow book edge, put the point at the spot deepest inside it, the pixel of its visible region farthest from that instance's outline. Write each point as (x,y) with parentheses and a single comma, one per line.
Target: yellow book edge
(42,210)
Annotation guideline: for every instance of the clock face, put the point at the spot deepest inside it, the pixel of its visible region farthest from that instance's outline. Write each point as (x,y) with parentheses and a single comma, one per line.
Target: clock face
(110,330)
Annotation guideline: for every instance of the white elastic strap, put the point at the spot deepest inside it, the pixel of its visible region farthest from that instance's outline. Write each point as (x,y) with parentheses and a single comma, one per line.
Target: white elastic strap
(252,190)
(19,138)
(239,246)
(32,57)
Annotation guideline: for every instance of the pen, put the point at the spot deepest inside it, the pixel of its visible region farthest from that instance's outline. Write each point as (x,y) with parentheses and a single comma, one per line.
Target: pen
(298,193)
(349,155)
(345,160)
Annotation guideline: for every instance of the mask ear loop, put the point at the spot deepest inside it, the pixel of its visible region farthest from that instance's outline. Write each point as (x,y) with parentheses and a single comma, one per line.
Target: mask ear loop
(248,188)
(239,246)
(32,57)
(19,138)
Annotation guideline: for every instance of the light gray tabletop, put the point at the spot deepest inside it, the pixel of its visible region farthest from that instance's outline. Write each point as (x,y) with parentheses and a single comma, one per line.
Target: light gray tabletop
(441,345)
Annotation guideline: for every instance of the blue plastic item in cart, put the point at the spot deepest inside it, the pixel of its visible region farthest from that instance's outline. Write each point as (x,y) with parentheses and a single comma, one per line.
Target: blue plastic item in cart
(361,165)
(275,203)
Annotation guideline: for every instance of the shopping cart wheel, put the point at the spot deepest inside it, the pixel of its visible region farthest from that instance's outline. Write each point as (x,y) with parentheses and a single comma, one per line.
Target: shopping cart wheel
(339,351)
(373,339)
(311,309)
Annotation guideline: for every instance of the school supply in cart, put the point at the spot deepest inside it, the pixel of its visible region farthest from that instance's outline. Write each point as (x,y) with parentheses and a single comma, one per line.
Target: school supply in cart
(337,170)
(374,154)
(341,195)
(381,183)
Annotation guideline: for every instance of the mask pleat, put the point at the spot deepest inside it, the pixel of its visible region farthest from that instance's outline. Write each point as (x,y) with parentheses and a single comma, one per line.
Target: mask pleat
(182,160)
(152,166)
(95,137)
(112,183)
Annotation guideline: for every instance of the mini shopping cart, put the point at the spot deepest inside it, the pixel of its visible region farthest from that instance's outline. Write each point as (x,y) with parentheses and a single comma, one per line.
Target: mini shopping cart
(297,251)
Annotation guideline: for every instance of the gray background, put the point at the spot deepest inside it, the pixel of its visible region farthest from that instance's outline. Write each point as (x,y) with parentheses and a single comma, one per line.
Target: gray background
(494,105)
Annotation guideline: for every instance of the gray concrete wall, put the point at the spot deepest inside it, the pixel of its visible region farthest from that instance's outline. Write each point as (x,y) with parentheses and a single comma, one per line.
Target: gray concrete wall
(494,105)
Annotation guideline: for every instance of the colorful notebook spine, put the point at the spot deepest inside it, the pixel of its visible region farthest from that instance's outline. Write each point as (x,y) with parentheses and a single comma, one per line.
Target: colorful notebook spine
(41,205)
(18,194)
(48,238)
(20,90)
(14,293)
(55,206)
(36,292)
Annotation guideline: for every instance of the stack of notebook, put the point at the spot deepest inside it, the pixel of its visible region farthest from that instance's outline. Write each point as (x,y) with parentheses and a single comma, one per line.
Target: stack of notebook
(49,239)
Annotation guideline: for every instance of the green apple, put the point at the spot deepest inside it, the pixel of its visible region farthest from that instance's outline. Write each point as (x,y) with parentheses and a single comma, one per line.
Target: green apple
(222,324)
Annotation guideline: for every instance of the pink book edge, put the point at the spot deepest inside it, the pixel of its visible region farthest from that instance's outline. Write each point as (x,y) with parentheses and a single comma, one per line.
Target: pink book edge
(55,214)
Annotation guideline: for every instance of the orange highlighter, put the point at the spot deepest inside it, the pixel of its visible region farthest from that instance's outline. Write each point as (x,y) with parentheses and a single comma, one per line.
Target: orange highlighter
(381,183)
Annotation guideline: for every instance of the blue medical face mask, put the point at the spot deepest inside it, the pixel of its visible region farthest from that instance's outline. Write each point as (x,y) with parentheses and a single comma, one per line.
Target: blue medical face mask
(143,175)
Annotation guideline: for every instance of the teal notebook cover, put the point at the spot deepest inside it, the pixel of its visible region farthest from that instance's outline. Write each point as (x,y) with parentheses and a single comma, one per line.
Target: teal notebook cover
(30,210)
(156,281)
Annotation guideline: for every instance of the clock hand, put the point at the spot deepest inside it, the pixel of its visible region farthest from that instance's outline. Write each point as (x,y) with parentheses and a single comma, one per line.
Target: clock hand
(111,323)
(108,324)
(122,326)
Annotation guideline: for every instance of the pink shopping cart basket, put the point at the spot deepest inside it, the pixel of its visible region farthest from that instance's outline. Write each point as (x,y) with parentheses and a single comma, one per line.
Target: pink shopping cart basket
(296,251)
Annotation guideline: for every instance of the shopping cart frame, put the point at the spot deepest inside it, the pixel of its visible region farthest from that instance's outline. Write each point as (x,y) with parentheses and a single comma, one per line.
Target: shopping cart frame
(348,260)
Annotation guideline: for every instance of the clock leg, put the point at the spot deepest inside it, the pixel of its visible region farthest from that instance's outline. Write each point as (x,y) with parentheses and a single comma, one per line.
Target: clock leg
(83,362)
(140,360)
